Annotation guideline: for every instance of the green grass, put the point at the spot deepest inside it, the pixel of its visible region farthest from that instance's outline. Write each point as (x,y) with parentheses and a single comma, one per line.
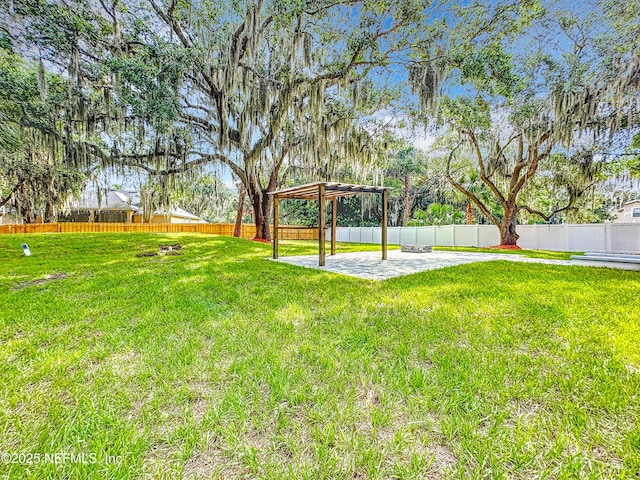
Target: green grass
(527,253)
(306,247)
(220,363)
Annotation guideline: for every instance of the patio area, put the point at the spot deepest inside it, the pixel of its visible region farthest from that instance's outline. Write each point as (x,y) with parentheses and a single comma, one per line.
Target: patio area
(368,265)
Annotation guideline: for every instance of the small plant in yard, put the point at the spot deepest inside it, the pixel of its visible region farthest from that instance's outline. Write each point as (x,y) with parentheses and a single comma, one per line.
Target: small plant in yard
(437,214)
(221,363)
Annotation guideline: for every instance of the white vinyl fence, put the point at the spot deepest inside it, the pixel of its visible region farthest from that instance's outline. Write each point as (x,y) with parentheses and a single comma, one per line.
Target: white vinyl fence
(602,237)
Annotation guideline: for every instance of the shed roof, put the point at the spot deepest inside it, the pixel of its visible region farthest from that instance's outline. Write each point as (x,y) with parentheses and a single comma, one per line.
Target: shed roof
(310,191)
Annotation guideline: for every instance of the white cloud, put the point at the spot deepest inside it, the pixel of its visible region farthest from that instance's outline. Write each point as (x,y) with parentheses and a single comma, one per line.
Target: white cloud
(424,141)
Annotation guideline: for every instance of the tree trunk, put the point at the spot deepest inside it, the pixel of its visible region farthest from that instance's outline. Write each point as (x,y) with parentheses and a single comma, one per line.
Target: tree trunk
(260,200)
(508,235)
(28,216)
(469,214)
(407,204)
(50,215)
(237,229)
(261,210)
(261,207)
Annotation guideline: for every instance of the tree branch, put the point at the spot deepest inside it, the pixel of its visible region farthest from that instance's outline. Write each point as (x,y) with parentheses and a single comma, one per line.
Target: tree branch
(235,168)
(4,200)
(137,160)
(173,24)
(568,206)
(483,208)
(483,172)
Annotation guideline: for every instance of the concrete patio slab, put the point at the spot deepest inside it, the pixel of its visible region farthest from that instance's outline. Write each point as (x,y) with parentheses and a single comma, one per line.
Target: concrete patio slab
(368,265)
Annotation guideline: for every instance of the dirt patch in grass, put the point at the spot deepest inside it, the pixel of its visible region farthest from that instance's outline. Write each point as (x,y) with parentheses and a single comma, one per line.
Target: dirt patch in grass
(443,461)
(124,364)
(212,463)
(147,254)
(366,396)
(40,281)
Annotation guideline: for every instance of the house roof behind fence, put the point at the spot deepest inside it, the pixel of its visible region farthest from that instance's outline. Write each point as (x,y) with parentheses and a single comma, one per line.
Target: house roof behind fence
(123,200)
(109,200)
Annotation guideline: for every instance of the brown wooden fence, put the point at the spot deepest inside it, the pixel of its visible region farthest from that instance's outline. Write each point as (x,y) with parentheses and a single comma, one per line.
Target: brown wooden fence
(248,230)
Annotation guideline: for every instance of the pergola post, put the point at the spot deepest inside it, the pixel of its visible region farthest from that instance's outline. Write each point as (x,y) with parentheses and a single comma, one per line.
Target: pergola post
(334,220)
(322,192)
(385,215)
(321,222)
(275,226)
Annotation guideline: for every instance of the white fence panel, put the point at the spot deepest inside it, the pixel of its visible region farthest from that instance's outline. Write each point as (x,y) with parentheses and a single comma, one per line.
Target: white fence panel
(393,235)
(624,237)
(377,235)
(408,235)
(551,237)
(605,237)
(528,236)
(488,235)
(465,235)
(586,238)
(426,236)
(366,234)
(444,236)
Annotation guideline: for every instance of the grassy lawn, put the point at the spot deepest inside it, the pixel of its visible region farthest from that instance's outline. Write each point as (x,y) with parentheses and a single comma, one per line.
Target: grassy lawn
(527,253)
(219,363)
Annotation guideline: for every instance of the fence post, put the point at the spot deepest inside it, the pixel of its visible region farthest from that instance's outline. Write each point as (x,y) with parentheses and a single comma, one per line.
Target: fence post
(607,237)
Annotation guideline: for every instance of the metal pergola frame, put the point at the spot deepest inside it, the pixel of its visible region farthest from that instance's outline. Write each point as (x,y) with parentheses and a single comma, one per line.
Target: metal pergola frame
(323,192)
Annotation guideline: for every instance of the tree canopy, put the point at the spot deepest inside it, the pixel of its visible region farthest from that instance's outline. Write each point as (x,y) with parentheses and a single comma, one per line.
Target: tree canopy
(34,176)
(265,87)
(527,92)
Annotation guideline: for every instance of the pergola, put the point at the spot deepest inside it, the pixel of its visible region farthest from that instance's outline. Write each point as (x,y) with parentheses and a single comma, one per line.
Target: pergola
(323,192)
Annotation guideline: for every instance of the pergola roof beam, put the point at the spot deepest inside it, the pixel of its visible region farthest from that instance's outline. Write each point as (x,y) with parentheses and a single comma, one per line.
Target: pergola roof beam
(310,191)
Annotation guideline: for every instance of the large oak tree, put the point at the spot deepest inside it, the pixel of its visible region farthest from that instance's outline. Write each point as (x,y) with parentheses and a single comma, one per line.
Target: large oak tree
(260,86)
(547,85)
